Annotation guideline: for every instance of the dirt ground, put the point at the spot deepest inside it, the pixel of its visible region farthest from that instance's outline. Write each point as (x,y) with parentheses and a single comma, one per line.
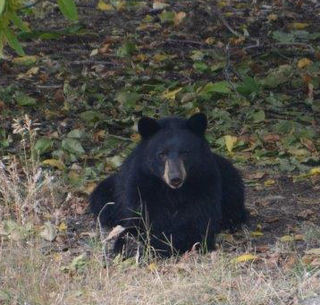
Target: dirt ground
(278,206)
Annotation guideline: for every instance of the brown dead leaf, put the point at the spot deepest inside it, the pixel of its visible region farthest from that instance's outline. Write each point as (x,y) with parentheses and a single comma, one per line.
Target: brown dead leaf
(271,219)
(255,176)
(99,135)
(305,214)
(312,257)
(105,48)
(262,249)
(179,17)
(271,138)
(272,17)
(308,144)
(43,77)
(2,105)
(290,263)
(59,96)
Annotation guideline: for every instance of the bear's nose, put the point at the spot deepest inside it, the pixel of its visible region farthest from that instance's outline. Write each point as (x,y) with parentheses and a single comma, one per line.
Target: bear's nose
(176,182)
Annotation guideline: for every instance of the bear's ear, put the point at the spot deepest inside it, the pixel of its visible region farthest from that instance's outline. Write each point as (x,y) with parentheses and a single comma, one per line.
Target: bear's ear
(198,123)
(147,127)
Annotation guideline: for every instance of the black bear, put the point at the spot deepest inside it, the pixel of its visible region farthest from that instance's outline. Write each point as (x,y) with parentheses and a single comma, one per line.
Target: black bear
(173,186)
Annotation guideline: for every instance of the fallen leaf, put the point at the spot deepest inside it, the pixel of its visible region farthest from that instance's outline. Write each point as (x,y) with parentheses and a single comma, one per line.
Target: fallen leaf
(49,232)
(159,5)
(25,60)
(62,227)
(230,141)
(287,238)
(152,267)
(315,171)
(306,214)
(256,234)
(304,62)
(309,145)
(102,6)
(314,251)
(178,18)
(269,182)
(255,176)
(171,95)
(272,17)
(298,25)
(54,163)
(244,258)
(290,263)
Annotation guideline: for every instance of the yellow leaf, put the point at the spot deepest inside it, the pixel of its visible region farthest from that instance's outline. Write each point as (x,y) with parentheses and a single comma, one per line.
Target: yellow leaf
(256,234)
(102,6)
(315,171)
(304,62)
(210,40)
(230,141)
(269,182)
(298,237)
(32,71)
(62,227)
(54,163)
(160,57)
(244,258)
(314,251)
(171,95)
(272,17)
(25,60)
(152,267)
(287,238)
(178,17)
(298,25)
(141,57)
(135,137)
(159,5)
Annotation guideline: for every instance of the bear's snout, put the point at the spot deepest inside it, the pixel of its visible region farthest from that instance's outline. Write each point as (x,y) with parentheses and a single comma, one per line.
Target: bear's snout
(174,173)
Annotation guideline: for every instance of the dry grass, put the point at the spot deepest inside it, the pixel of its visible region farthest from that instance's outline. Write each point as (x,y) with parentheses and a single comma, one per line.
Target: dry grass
(30,275)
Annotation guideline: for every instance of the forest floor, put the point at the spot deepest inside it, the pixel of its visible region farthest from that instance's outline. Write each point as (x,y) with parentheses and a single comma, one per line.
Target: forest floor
(67,119)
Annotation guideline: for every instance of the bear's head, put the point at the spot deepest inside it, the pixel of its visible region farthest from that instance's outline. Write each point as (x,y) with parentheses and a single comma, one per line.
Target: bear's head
(173,147)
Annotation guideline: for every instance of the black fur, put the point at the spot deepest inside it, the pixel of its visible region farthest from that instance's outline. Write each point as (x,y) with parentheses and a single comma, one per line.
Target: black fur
(210,199)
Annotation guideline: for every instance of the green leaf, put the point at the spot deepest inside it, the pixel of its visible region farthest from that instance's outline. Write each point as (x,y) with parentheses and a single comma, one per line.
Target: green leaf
(2,5)
(127,49)
(91,116)
(167,17)
(248,86)
(16,20)
(43,145)
(25,60)
(258,116)
(283,37)
(277,76)
(68,9)
(73,146)
(24,100)
(75,133)
(13,42)
(200,66)
(128,100)
(218,87)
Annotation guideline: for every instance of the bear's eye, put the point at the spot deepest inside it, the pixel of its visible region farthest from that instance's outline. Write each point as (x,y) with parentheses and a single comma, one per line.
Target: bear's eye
(162,154)
(184,153)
